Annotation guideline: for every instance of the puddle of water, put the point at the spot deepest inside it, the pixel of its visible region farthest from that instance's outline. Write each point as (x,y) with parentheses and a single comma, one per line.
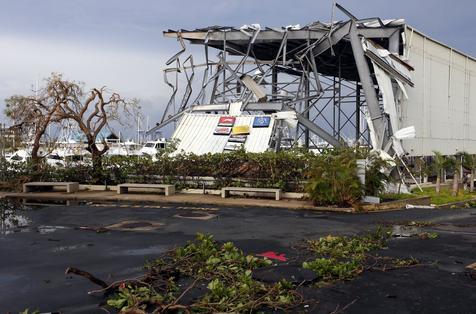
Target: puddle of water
(69,247)
(12,218)
(399,231)
(197,215)
(135,225)
(155,249)
(50,229)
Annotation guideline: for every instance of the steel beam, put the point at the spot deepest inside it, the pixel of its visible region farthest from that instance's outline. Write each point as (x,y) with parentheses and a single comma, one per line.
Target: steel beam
(311,126)
(367,85)
(216,37)
(166,122)
(336,36)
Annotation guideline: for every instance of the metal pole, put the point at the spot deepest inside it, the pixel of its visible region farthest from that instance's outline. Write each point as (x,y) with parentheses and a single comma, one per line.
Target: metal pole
(274,86)
(334,94)
(306,107)
(339,104)
(357,112)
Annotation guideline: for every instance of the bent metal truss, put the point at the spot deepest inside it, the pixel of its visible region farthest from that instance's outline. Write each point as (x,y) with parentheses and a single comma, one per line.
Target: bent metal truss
(344,82)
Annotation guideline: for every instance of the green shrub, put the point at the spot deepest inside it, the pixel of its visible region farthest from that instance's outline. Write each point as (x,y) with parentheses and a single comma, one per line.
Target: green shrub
(333,179)
(376,177)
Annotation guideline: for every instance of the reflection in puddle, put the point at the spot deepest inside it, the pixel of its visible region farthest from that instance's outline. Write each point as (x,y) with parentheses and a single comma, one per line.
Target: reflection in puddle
(399,231)
(70,247)
(11,217)
(14,220)
(135,225)
(156,249)
(197,215)
(50,229)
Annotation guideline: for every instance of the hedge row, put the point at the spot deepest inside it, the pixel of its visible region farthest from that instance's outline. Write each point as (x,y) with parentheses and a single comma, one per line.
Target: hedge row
(286,170)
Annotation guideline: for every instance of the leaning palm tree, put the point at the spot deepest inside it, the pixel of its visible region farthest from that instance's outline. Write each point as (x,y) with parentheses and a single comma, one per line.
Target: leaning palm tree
(439,164)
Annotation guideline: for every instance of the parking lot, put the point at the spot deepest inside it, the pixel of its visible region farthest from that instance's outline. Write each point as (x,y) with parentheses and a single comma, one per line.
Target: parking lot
(114,241)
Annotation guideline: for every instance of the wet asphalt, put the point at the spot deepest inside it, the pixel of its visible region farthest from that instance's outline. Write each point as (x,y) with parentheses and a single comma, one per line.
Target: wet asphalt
(33,258)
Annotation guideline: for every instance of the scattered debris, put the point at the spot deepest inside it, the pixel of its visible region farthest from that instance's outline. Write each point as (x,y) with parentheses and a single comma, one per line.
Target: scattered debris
(85,274)
(410,206)
(206,276)
(428,235)
(290,273)
(222,268)
(273,255)
(471,268)
(412,230)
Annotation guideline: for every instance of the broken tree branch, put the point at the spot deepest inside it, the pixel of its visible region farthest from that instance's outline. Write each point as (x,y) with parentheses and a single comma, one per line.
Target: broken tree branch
(79,272)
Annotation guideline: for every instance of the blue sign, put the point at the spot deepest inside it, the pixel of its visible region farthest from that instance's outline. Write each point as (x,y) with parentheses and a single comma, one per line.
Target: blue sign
(261,122)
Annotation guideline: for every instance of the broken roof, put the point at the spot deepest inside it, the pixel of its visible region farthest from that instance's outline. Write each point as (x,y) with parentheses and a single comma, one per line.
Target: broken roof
(267,41)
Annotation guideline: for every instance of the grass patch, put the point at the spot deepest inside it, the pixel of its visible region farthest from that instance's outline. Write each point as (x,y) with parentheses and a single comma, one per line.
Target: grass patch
(445,196)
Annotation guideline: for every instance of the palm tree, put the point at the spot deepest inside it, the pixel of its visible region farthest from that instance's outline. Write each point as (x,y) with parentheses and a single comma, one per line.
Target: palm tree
(456,163)
(469,162)
(439,164)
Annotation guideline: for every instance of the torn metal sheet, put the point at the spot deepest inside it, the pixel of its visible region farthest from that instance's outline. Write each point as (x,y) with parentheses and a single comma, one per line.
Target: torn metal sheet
(386,88)
(388,62)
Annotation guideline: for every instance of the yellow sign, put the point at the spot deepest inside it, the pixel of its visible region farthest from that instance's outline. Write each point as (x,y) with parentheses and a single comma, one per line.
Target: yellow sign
(241,129)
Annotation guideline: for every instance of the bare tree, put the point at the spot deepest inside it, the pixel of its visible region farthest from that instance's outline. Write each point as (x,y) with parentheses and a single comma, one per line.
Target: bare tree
(93,111)
(63,100)
(34,114)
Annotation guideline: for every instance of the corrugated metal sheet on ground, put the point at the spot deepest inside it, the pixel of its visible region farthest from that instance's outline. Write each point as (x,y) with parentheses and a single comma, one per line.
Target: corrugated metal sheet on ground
(195,134)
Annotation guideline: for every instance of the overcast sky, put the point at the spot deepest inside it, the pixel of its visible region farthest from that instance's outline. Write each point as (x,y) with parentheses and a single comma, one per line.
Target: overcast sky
(119,43)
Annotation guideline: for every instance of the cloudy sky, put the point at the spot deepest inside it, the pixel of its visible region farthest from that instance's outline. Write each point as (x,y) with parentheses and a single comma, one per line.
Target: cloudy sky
(119,43)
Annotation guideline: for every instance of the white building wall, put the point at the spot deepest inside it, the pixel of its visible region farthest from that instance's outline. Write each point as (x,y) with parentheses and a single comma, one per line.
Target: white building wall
(442,105)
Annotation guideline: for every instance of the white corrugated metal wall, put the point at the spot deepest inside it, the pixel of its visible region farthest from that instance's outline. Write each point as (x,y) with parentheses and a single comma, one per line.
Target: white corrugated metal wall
(195,134)
(442,105)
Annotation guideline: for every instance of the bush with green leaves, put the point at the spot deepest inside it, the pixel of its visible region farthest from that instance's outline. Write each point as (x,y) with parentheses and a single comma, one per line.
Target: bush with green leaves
(341,257)
(224,269)
(376,174)
(332,174)
(333,179)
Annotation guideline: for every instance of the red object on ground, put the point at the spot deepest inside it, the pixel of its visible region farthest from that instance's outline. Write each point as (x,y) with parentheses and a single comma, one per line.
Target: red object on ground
(273,255)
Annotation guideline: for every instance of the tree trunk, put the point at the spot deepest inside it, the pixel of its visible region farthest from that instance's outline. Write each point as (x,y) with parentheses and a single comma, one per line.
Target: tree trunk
(96,157)
(35,157)
(471,181)
(438,182)
(455,184)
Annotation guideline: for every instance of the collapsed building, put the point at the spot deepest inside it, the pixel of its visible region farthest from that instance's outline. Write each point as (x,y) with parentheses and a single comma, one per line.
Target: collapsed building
(372,82)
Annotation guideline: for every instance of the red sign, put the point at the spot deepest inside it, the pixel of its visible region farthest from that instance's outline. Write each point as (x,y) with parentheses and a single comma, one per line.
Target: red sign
(222,130)
(226,121)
